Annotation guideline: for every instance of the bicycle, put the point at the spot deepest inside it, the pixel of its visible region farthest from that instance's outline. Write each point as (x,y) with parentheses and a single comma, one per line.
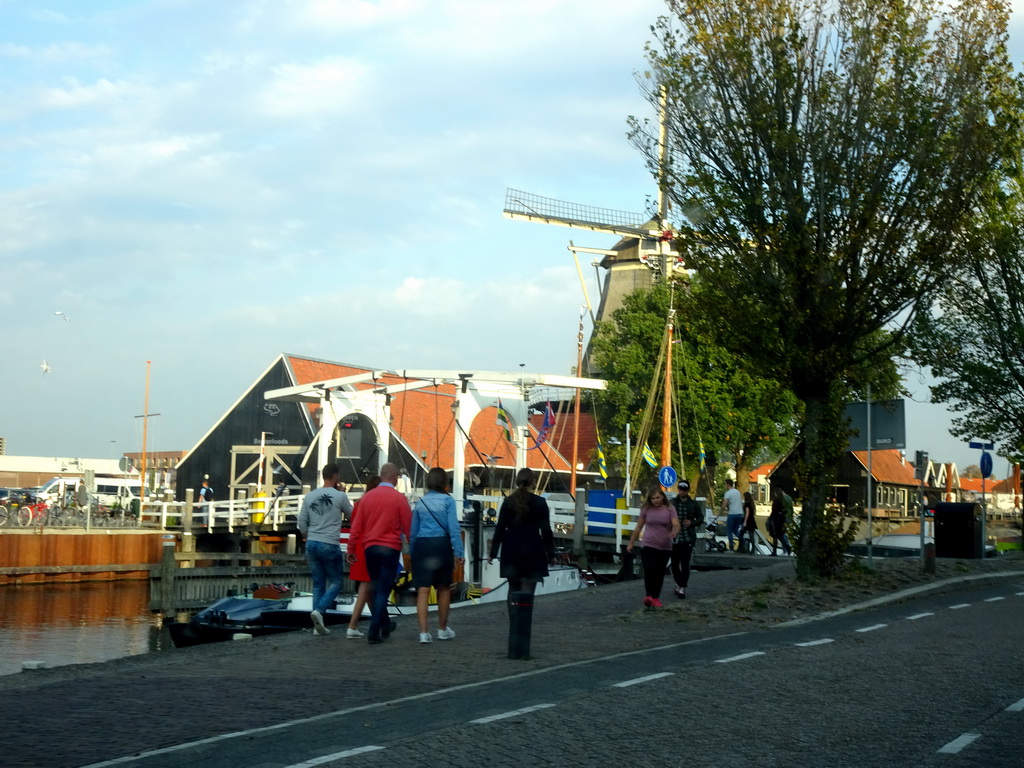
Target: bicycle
(35,513)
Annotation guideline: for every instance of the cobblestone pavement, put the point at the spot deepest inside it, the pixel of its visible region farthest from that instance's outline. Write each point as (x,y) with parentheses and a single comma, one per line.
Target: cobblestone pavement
(74,716)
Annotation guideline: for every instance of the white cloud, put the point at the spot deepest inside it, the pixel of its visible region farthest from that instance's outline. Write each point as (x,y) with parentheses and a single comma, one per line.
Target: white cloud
(53,53)
(300,91)
(74,94)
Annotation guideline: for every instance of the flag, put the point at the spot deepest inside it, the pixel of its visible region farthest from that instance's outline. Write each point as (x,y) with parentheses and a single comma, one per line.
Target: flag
(504,422)
(701,442)
(649,456)
(545,427)
(600,462)
(547,424)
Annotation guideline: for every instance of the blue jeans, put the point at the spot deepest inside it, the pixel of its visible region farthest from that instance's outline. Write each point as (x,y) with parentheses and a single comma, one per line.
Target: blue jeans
(382,565)
(734,525)
(327,567)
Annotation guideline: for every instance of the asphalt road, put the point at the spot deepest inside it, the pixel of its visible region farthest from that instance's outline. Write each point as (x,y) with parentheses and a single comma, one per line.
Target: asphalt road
(937,680)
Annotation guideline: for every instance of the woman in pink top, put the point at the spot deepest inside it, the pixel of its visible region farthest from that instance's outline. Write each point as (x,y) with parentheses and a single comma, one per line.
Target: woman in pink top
(659,524)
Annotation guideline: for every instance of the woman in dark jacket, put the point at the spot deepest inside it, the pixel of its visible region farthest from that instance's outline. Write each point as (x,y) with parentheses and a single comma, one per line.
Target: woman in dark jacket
(777,522)
(749,522)
(522,540)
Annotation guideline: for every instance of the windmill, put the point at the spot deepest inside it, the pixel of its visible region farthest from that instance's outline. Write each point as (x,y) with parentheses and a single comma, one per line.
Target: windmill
(643,253)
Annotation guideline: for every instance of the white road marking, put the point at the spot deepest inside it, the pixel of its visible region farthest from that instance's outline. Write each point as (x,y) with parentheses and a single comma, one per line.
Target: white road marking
(336,756)
(872,628)
(741,657)
(959,743)
(958,606)
(1017,706)
(510,713)
(810,643)
(638,680)
(994,599)
(380,705)
(917,616)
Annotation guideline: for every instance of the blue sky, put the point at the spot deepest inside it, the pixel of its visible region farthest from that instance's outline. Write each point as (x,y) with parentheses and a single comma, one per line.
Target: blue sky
(208,184)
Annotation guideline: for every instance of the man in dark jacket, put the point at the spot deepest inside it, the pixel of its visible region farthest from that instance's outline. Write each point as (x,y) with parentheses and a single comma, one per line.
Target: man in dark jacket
(691,517)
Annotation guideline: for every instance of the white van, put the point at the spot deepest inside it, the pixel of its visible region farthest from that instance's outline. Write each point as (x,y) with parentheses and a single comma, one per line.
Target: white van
(109,490)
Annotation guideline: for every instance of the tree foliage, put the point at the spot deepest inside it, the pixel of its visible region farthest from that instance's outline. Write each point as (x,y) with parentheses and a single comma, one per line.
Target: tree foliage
(973,342)
(828,158)
(721,400)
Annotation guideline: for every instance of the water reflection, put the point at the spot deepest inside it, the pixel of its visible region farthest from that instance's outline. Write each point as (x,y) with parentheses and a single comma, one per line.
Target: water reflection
(75,623)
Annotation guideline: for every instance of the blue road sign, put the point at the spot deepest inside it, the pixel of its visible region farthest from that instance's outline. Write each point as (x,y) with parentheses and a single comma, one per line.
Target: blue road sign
(667,476)
(982,446)
(986,464)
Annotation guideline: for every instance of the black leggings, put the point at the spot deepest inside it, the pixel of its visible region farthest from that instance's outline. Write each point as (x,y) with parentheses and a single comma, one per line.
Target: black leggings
(655,561)
(681,553)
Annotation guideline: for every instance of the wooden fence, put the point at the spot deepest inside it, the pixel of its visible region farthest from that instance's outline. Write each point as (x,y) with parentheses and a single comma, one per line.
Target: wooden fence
(179,583)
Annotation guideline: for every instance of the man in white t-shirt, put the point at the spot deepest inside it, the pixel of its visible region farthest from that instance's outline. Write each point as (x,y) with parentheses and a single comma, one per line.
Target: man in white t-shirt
(732,504)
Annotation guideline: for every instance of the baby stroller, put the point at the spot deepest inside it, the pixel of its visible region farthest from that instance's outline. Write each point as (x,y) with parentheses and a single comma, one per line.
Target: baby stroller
(711,542)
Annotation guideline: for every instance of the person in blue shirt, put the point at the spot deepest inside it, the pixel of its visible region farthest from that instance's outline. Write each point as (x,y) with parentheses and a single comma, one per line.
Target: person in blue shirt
(436,546)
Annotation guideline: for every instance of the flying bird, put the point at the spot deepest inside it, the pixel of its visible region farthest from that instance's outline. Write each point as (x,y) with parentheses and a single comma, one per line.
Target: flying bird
(46,367)
(61,314)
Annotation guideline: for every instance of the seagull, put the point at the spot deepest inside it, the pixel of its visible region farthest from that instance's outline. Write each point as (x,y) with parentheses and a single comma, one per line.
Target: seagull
(46,367)
(61,314)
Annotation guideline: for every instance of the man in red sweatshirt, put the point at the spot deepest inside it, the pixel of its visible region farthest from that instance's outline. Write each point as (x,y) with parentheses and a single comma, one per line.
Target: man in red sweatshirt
(384,518)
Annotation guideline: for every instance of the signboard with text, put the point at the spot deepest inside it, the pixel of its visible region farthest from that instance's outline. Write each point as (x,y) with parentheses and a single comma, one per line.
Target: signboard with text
(888,425)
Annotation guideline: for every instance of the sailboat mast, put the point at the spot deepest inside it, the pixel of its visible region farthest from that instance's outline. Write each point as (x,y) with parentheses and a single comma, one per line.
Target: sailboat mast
(666,415)
(576,410)
(145,426)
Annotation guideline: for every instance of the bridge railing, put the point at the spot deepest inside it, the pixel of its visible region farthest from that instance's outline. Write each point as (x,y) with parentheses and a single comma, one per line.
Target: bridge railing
(567,517)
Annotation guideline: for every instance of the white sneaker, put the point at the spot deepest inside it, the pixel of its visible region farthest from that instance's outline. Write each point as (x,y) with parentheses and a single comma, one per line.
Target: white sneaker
(446,634)
(353,633)
(318,623)
(426,638)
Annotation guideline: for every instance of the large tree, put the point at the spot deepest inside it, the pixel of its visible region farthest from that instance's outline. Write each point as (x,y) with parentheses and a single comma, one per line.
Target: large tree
(721,401)
(827,157)
(974,341)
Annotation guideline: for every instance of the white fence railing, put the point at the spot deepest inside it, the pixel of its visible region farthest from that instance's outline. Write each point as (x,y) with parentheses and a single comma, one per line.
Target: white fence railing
(566,517)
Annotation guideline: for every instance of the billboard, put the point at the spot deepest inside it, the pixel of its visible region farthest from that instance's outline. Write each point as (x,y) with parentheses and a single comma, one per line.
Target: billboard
(888,425)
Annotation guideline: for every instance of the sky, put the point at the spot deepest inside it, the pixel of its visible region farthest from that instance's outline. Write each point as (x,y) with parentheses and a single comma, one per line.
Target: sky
(207,185)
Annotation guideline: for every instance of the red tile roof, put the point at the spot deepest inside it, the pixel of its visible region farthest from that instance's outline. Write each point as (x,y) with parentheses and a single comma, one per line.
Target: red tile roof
(973,484)
(760,474)
(888,466)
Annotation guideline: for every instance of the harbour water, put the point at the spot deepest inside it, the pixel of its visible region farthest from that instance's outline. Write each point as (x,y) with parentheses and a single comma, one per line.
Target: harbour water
(61,624)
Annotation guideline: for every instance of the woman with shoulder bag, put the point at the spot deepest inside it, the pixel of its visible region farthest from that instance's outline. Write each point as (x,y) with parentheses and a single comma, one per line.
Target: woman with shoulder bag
(436,546)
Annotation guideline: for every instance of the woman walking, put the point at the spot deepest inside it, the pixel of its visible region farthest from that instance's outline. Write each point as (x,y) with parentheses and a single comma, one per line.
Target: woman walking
(358,573)
(777,522)
(749,528)
(524,544)
(659,525)
(522,539)
(436,545)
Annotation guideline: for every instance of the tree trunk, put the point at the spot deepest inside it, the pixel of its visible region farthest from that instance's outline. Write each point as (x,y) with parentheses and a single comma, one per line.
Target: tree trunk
(820,448)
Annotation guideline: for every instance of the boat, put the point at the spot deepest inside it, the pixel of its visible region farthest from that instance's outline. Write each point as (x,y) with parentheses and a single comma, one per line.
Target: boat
(899,545)
(259,612)
(890,545)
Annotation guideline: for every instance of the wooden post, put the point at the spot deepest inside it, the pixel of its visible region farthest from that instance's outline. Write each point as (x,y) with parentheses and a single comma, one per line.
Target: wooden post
(168,570)
(186,510)
(579,527)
